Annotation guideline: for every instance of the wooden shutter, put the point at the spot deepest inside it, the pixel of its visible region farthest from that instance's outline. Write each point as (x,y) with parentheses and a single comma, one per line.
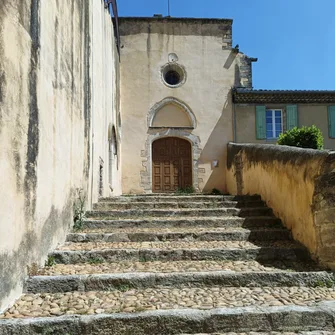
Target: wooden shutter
(291,116)
(331,121)
(260,122)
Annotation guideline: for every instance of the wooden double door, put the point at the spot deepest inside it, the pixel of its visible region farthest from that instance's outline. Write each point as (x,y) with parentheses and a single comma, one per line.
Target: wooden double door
(171,164)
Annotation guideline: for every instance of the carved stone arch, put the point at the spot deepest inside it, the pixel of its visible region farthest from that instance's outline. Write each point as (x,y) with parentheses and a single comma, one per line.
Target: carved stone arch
(176,102)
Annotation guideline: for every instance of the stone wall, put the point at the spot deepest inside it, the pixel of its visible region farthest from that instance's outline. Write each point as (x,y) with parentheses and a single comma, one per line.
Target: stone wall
(53,124)
(299,184)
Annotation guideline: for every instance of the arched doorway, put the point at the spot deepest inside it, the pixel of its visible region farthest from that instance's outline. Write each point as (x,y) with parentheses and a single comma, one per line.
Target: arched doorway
(171,164)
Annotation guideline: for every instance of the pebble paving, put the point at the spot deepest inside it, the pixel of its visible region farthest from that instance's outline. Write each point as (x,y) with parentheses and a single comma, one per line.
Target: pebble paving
(273,333)
(175,266)
(172,245)
(126,299)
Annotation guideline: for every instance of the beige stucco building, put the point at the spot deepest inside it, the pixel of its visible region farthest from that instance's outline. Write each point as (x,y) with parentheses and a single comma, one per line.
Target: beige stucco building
(255,119)
(176,80)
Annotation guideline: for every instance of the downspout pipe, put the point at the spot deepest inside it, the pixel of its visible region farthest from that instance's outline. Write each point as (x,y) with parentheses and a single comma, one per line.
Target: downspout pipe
(234,118)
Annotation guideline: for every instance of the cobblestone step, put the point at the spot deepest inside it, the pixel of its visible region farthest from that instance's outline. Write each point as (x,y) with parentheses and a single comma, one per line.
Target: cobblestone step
(176,264)
(99,267)
(108,282)
(104,205)
(173,245)
(136,213)
(155,197)
(126,299)
(182,222)
(191,321)
(316,332)
(210,234)
(210,251)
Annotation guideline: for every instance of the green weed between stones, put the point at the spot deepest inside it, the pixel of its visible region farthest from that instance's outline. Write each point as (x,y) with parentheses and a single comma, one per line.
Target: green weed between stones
(95,261)
(123,288)
(324,283)
(50,261)
(186,190)
(215,191)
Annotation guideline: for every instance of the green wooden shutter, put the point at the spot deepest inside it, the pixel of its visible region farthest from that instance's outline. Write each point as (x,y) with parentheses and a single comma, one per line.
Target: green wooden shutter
(331,121)
(291,116)
(260,122)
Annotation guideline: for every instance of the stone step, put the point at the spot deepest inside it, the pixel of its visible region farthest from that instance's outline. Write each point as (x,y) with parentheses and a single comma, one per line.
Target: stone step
(97,266)
(161,234)
(104,205)
(136,213)
(139,280)
(165,311)
(176,251)
(316,332)
(182,222)
(164,197)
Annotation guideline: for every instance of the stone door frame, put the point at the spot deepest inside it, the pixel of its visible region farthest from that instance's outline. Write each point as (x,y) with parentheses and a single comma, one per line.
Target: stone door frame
(155,134)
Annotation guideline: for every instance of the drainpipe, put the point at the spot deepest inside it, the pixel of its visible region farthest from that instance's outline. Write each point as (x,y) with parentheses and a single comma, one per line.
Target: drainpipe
(234,120)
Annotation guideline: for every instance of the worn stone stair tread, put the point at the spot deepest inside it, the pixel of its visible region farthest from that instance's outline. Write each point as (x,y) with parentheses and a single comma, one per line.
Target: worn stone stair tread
(316,332)
(130,300)
(141,280)
(173,245)
(179,222)
(135,213)
(190,233)
(168,197)
(283,253)
(178,230)
(104,205)
(163,322)
(99,267)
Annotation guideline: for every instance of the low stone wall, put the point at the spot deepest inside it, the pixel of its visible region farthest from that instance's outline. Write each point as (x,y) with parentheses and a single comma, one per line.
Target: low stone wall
(298,184)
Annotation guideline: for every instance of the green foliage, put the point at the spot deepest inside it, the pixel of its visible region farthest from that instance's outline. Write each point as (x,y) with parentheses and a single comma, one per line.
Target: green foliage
(323,283)
(50,261)
(95,260)
(215,191)
(123,288)
(304,137)
(79,211)
(186,190)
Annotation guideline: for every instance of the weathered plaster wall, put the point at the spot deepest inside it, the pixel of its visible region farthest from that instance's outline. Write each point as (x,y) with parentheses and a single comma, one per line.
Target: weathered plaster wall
(46,125)
(105,101)
(299,184)
(308,115)
(203,48)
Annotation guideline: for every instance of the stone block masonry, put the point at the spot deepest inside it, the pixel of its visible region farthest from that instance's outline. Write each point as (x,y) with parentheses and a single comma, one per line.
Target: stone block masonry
(299,184)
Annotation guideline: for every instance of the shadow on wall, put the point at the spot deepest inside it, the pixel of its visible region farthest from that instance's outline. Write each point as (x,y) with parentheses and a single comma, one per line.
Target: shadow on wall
(15,265)
(216,149)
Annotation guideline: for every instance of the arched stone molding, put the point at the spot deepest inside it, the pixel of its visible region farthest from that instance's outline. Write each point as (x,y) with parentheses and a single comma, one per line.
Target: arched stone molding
(171,100)
(146,173)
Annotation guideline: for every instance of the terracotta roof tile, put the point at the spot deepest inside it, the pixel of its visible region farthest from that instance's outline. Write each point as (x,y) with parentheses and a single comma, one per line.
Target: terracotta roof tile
(245,96)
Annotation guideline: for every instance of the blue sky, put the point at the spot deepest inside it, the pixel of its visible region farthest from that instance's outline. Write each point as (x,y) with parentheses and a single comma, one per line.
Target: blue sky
(294,40)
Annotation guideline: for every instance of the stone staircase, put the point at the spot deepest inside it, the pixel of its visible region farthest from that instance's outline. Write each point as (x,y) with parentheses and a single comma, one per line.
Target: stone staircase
(177,264)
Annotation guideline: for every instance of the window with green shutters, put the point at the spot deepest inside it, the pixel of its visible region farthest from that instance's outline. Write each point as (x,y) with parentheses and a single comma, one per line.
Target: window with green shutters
(291,116)
(331,121)
(260,122)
